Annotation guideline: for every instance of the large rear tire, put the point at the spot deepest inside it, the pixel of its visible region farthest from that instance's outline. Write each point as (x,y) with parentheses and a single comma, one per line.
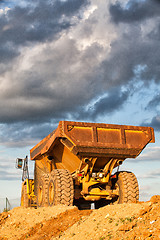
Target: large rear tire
(127,186)
(60,188)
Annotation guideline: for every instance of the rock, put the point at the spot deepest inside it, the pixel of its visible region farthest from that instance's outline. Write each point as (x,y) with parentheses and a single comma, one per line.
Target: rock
(155,199)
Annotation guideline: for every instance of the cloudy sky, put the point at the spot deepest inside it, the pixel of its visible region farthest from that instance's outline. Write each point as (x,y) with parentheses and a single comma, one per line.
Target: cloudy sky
(92,60)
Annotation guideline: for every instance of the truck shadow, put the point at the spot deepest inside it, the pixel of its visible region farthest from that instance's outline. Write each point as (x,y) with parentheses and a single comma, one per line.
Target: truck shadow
(85,205)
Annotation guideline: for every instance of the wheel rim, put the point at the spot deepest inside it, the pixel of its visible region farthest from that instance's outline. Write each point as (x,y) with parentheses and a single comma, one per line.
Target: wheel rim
(51,193)
(40,195)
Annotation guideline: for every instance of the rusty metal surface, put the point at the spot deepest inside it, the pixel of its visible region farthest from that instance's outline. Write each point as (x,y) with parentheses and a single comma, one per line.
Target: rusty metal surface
(95,139)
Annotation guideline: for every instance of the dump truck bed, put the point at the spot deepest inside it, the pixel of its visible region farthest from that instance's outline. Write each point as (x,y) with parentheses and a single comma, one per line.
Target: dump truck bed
(95,140)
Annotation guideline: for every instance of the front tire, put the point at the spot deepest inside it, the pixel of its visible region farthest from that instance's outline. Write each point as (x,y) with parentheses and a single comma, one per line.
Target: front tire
(24,196)
(42,188)
(60,188)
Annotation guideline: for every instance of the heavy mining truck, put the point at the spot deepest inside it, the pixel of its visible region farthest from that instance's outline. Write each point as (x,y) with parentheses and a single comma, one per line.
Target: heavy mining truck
(76,163)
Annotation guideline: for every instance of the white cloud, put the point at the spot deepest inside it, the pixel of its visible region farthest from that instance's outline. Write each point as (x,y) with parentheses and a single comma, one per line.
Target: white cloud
(150,154)
(151,174)
(4,10)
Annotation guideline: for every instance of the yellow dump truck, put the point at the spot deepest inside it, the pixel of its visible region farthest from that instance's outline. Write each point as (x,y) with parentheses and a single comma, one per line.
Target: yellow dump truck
(75,163)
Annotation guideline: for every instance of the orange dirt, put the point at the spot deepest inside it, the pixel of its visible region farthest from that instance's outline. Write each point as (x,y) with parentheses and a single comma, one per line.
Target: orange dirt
(123,221)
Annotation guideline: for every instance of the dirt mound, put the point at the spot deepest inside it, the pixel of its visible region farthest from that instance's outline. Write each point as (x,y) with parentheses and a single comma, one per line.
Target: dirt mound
(124,221)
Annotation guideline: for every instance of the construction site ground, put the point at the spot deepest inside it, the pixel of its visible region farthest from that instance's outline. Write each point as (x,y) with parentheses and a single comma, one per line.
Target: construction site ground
(123,221)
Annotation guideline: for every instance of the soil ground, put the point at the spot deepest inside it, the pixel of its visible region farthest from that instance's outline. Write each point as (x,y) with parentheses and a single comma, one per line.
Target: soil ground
(124,221)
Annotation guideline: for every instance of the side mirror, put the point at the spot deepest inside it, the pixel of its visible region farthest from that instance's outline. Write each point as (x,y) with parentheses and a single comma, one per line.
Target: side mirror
(19,163)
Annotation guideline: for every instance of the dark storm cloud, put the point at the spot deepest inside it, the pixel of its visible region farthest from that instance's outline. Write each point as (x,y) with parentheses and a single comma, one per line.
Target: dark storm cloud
(155,102)
(2,1)
(111,102)
(24,134)
(134,11)
(153,106)
(34,23)
(7,53)
(155,123)
(49,90)
(135,54)
(29,132)
(156,34)
(63,78)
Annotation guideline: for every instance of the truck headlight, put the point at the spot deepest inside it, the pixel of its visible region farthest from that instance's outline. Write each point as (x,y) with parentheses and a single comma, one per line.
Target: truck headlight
(100,175)
(94,175)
